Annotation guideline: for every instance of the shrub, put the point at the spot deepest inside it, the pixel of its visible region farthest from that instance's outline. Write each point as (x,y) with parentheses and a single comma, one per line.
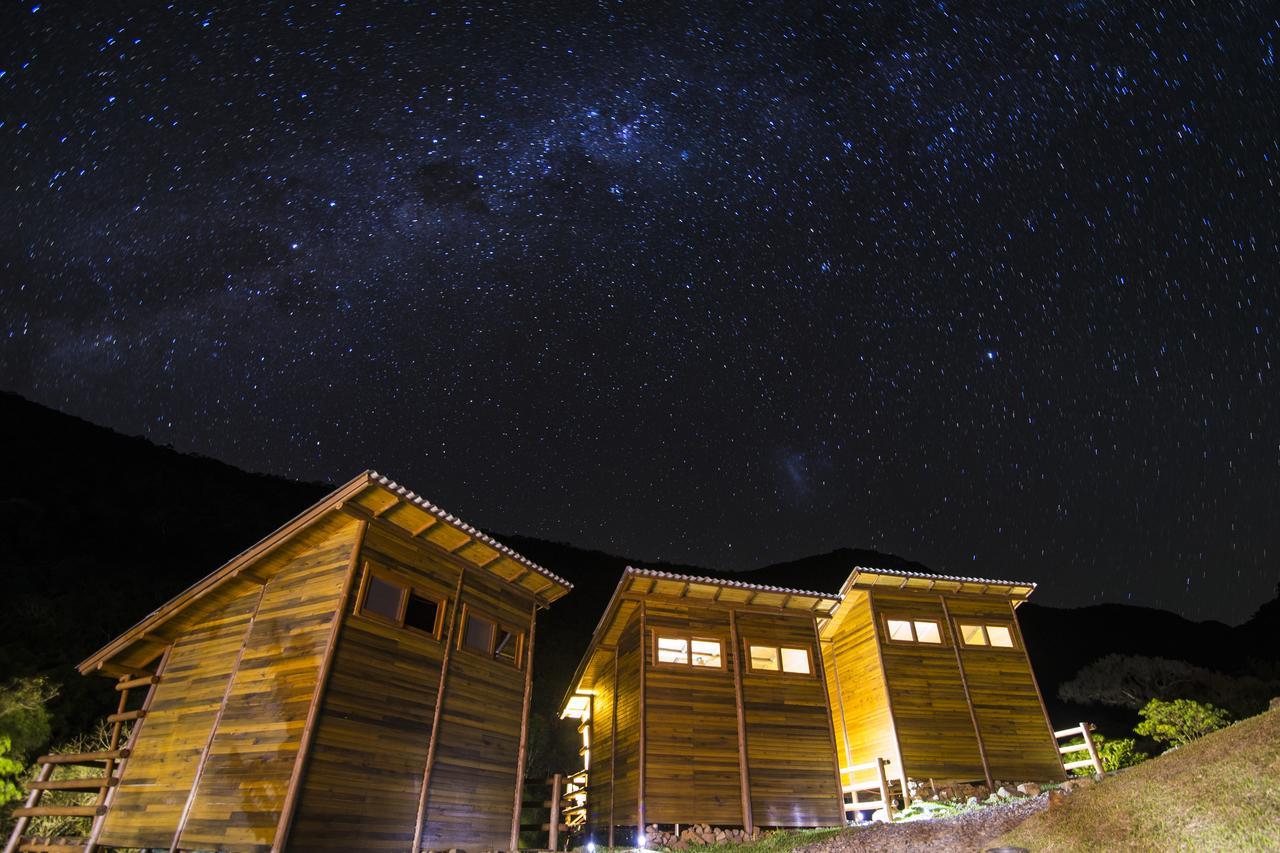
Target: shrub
(1114,754)
(11,771)
(1179,722)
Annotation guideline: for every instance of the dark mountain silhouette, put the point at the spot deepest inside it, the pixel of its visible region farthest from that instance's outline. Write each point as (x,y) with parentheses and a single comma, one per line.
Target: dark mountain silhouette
(98,528)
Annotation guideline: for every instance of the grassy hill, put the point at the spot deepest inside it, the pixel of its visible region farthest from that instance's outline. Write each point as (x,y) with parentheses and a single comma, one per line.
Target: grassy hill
(1221,792)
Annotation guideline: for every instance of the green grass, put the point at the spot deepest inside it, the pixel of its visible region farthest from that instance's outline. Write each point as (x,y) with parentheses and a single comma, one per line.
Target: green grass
(1221,792)
(772,842)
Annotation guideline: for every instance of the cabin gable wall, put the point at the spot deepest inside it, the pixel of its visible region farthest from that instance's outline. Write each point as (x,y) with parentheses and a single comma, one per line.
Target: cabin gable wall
(626,770)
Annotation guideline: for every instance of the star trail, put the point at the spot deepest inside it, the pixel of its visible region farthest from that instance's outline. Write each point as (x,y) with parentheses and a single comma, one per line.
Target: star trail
(988,285)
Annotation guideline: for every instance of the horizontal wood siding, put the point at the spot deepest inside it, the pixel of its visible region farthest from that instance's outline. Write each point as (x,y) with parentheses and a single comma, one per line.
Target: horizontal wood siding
(626,773)
(691,724)
(251,758)
(600,771)
(157,780)
(930,711)
(1010,718)
(790,762)
(860,702)
(364,774)
(473,782)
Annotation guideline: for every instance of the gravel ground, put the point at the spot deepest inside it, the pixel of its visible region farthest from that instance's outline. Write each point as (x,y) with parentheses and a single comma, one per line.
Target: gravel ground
(965,832)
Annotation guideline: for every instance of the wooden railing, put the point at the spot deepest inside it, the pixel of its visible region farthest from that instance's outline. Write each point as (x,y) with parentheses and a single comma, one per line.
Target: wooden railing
(563,800)
(880,784)
(1084,730)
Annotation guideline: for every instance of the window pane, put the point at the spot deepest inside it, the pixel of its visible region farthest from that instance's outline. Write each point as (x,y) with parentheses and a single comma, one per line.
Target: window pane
(764,657)
(1000,636)
(795,660)
(422,613)
(900,629)
(478,633)
(928,632)
(382,598)
(706,653)
(972,635)
(673,651)
(507,647)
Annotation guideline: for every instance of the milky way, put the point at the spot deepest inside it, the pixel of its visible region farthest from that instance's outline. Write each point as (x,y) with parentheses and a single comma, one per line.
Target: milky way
(992,286)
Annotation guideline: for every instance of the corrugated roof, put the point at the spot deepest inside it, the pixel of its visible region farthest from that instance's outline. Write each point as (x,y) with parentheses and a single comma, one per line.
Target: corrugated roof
(936,577)
(654,573)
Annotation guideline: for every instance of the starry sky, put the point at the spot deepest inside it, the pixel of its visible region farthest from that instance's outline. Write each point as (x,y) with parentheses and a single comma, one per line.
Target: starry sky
(990,285)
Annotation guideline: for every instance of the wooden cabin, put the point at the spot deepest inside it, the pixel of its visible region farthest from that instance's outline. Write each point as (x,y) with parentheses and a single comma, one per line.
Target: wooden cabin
(930,672)
(360,679)
(702,701)
(738,705)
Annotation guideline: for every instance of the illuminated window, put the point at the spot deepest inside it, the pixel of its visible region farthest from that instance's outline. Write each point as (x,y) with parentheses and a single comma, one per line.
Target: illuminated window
(765,658)
(928,632)
(707,653)
(672,650)
(900,629)
(795,660)
(781,659)
(973,635)
(999,636)
(914,631)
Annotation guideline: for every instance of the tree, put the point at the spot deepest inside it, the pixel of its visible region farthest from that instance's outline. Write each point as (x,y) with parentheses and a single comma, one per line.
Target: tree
(1179,722)
(24,719)
(1130,681)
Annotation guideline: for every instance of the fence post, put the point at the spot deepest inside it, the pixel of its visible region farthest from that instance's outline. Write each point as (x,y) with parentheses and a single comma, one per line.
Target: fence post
(557,787)
(1086,729)
(884,791)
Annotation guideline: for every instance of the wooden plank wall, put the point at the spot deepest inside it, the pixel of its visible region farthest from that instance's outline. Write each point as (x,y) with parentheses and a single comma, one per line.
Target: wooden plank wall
(790,762)
(600,771)
(473,781)
(1011,720)
(860,701)
(930,711)
(364,775)
(691,724)
(247,770)
(626,773)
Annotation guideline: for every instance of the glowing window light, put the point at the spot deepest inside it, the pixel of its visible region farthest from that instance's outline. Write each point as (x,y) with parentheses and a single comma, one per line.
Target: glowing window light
(900,629)
(796,661)
(578,707)
(672,650)
(928,632)
(1000,636)
(973,635)
(707,653)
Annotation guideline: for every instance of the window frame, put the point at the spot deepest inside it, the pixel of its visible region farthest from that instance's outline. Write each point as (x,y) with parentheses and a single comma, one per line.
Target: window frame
(658,634)
(498,625)
(986,625)
(406,591)
(915,634)
(781,670)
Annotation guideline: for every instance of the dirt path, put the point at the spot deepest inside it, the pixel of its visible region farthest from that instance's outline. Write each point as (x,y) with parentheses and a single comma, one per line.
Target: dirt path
(967,832)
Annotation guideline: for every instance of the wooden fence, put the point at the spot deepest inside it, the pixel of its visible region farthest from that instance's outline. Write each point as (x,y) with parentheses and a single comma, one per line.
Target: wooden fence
(1084,730)
(878,784)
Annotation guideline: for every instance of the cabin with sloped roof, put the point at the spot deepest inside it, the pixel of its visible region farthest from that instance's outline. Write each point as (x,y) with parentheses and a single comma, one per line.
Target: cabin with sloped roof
(359,679)
(711,701)
(702,701)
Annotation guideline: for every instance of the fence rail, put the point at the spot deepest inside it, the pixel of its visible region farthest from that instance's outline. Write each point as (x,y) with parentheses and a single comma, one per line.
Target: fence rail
(1084,730)
(879,783)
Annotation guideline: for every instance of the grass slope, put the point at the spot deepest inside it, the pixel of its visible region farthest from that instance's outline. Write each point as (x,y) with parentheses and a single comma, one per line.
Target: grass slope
(1220,793)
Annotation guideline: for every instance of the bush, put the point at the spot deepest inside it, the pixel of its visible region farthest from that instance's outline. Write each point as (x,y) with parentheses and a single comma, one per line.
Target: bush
(11,770)
(1179,722)
(1115,754)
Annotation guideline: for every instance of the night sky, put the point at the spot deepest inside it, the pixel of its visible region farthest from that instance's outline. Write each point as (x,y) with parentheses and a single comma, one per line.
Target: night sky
(989,285)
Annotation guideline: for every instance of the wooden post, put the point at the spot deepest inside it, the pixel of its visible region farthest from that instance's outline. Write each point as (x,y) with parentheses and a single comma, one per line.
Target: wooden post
(32,798)
(1086,729)
(613,749)
(968,700)
(644,652)
(524,742)
(557,791)
(217,720)
(884,790)
(317,695)
(437,713)
(743,773)
(826,696)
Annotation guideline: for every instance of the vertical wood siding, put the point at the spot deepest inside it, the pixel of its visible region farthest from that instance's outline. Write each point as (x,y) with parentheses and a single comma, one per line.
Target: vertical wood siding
(600,772)
(860,702)
(626,772)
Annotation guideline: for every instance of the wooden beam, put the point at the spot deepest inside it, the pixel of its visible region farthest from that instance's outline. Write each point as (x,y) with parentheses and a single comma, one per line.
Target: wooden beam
(744,777)
(213,729)
(524,742)
(888,693)
(644,656)
(432,521)
(317,695)
(968,699)
(826,696)
(437,714)
(613,750)
(1017,632)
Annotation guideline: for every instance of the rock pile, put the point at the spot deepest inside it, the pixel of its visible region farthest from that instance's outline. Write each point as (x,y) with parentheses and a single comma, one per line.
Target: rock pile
(697,835)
